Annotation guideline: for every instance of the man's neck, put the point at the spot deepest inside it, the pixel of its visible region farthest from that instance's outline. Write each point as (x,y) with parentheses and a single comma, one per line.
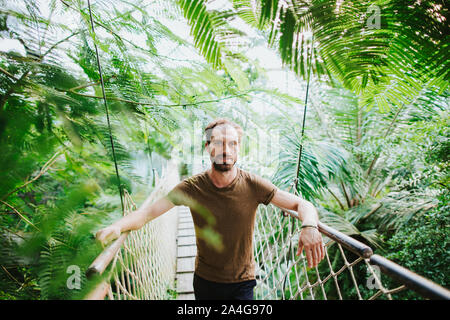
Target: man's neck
(221,179)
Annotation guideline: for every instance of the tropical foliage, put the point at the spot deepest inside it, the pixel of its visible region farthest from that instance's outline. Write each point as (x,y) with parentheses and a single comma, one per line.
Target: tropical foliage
(374,149)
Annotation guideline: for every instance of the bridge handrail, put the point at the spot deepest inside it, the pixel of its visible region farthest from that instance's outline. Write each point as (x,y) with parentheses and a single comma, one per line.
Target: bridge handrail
(412,280)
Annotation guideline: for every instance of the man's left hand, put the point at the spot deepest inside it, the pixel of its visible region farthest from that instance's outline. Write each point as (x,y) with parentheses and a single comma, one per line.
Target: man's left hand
(311,240)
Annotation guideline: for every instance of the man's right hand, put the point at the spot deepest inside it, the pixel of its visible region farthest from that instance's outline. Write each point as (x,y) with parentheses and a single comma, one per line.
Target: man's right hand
(135,219)
(108,234)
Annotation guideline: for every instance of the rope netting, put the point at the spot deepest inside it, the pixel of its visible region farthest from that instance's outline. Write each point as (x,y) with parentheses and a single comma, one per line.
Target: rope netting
(281,274)
(144,268)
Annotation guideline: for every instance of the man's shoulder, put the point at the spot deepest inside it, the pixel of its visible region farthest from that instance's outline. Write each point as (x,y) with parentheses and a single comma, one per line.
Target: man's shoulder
(187,186)
(256,179)
(250,177)
(195,179)
(247,174)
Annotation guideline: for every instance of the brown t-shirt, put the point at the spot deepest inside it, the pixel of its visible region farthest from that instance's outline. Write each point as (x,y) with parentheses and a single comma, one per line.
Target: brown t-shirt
(224,219)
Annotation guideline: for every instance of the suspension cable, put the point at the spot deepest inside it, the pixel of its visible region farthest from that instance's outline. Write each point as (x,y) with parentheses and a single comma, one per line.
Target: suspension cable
(296,179)
(297,172)
(106,106)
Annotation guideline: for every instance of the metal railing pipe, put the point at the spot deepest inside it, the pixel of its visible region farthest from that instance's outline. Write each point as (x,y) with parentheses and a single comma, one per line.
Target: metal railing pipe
(412,280)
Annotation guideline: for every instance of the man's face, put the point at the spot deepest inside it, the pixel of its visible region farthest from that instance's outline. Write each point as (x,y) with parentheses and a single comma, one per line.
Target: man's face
(223,148)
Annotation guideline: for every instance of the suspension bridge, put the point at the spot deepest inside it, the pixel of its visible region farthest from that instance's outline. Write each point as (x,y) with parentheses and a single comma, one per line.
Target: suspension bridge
(157,261)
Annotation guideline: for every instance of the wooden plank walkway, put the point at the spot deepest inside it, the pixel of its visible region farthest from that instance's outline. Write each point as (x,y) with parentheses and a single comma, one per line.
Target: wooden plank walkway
(186,247)
(186,252)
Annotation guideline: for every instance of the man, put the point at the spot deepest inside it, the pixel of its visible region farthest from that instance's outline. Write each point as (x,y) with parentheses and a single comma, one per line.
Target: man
(223,202)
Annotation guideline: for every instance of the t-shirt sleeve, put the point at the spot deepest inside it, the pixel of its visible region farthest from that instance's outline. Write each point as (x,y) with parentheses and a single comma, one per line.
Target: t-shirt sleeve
(264,190)
(180,194)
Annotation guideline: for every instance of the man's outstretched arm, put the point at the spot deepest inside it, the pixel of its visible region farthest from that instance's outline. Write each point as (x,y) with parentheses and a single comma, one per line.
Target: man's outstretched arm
(310,237)
(136,219)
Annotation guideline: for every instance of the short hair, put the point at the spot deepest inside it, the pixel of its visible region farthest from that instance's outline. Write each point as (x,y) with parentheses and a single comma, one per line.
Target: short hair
(222,122)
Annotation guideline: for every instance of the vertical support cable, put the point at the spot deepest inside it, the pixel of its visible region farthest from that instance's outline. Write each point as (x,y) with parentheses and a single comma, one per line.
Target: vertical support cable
(297,171)
(106,107)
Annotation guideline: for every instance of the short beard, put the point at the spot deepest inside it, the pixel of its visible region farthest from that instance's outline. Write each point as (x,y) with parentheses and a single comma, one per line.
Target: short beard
(223,167)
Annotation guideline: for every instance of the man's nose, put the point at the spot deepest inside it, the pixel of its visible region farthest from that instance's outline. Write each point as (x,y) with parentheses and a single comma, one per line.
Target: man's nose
(227,150)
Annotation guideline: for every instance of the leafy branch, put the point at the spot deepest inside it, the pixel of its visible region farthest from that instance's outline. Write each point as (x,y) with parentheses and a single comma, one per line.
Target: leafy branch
(43,170)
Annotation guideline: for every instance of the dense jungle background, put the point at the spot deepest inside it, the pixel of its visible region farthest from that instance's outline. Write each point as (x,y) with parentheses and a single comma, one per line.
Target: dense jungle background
(376,143)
